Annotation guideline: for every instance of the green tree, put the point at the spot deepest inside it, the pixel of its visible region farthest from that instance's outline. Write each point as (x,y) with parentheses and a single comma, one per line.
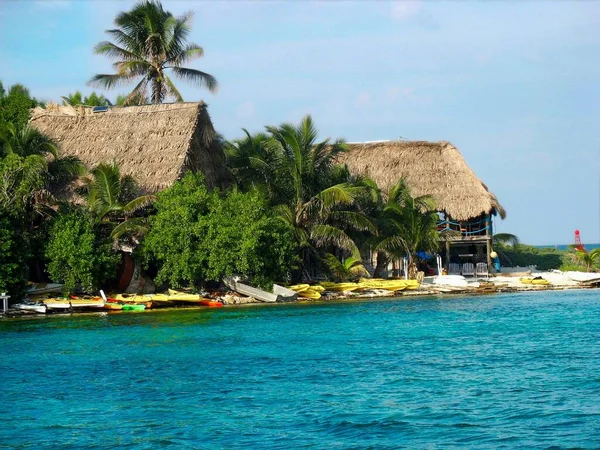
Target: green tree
(14,253)
(243,237)
(407,225)
(197,236)
(77,255)
(175,242)
(589,259)
(310,192)
(149,43)
(15,105)
(32,171)
(112,200)
(93,99)
(350,268)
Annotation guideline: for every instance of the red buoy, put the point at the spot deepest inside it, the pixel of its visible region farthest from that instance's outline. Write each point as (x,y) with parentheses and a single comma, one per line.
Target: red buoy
(578,245)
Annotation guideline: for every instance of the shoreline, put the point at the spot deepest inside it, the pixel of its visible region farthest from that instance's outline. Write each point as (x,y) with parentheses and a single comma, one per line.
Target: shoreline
(412,294)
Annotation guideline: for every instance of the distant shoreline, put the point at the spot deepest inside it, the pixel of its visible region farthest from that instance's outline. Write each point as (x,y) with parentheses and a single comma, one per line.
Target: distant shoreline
(567,246)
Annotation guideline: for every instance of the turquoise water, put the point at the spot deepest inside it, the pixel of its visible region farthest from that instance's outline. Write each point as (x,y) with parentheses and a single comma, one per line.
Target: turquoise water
(480,372)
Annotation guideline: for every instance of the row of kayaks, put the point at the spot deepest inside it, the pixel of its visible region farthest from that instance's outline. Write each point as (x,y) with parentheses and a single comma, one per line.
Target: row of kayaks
(118,302)
(539,281)
(315,291)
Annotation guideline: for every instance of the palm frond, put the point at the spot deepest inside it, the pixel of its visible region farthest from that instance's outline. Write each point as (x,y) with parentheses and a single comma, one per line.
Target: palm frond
(197,77)
(324,234)
(138,203)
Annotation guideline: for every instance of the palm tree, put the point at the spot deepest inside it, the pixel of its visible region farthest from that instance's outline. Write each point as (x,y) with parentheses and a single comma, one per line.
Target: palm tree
(311,199)
(149,42)
(93,99)
(588,259)
(41,161)
(309,191)
(347,269)
(506,239)
(407,225)
(111,199)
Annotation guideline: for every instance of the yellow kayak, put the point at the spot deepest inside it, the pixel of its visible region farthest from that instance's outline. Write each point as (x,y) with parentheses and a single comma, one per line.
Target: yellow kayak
(340,287)
(309,293)
(299,287)
(183,296)
(534,281)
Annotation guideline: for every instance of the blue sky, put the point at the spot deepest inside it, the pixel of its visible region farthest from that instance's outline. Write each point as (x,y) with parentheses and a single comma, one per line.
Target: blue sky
(514,85)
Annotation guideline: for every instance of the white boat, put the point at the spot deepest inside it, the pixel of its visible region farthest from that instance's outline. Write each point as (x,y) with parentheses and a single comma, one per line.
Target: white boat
(279,294)
(451,280)
(584,277)
(34,307)
(53,303)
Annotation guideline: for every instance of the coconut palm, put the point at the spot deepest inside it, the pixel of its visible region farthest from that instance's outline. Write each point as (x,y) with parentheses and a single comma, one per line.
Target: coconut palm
(40,161)
(301,179)
(347,269)
(506,239)
(588,259)
(150,42)
(76,99)
(313,197)
(111,199)
(407,225)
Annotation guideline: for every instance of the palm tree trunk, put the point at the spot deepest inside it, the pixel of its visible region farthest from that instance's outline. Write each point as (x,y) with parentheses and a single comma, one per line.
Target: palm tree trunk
(156,93)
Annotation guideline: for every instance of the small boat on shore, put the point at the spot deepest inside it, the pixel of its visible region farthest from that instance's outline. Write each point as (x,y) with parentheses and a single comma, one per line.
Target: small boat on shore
(32,307)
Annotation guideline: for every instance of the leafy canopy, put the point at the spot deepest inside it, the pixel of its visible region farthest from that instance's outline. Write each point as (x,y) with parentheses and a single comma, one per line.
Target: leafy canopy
(78,256)
(198,236)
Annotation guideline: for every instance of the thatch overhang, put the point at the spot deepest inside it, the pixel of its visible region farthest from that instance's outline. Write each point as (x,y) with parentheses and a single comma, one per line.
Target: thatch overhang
(156,144)
(430,168)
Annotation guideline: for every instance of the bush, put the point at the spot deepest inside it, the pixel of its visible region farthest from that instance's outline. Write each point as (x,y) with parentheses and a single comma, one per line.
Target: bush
(527,255)
(77,255)
(14,252)
(200,236)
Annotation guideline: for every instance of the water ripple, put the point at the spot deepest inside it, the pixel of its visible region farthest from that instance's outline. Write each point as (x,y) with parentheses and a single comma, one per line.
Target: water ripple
(494,372)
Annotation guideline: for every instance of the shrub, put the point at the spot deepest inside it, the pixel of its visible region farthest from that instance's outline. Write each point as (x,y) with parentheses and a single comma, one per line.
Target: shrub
(14,252)
(200,236)
(77,255)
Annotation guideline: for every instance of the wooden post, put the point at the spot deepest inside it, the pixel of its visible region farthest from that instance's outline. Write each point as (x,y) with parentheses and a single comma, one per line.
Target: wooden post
(488,241)
(447,255)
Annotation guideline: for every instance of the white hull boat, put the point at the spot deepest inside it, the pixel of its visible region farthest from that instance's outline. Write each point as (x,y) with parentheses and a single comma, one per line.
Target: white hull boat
(279,294)
(33,307)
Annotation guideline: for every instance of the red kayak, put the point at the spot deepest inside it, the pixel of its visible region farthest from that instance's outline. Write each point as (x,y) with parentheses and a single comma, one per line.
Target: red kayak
(211,304)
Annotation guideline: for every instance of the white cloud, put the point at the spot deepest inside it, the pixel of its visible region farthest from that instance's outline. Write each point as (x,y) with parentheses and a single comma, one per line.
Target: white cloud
(246,110)
(405,9)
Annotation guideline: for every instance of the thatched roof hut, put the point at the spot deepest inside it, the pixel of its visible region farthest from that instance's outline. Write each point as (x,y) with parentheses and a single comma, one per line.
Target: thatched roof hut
(430,168)
(156,144)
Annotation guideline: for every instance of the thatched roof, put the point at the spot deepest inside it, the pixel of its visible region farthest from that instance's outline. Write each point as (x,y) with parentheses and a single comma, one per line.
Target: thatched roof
(156,144)
(430,168)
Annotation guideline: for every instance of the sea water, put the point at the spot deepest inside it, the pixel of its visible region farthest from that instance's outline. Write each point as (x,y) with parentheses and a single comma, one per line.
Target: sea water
(503,371)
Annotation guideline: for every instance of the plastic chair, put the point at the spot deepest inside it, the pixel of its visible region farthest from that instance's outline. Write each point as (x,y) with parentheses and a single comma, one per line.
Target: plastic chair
(481,270)
(453,269)
(468,270)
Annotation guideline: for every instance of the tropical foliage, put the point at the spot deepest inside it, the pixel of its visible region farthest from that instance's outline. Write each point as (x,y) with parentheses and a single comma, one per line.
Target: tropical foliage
(313,195)
(590,259)
(406,225)
(14,253)
(198,236)
(93,99)
(148,45)
(350,268)
(111,199)
(78,255)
